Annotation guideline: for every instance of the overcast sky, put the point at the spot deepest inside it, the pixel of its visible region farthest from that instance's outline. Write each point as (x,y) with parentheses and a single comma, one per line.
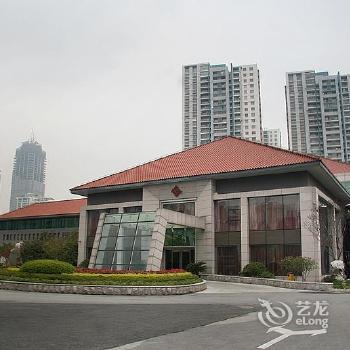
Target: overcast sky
(100,81)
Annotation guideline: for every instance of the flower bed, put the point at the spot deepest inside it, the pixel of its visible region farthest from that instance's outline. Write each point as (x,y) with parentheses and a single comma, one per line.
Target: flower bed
(121,272)
(169,278)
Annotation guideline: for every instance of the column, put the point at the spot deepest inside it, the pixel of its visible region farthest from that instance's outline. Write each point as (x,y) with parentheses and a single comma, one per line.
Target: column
(82,238)
(310,242)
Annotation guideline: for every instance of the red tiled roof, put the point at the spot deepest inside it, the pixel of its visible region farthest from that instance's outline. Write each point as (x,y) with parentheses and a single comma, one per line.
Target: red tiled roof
(226,155)
(53,208)
(335,166)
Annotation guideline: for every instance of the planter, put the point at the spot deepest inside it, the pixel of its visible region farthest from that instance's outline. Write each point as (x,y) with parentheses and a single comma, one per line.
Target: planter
(102,289)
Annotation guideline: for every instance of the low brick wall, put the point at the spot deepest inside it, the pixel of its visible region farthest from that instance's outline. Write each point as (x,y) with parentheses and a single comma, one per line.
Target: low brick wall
(102,289)
(318,286)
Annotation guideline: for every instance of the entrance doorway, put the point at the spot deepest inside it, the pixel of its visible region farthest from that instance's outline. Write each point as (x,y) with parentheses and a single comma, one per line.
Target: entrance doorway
(228,260)
(178,258)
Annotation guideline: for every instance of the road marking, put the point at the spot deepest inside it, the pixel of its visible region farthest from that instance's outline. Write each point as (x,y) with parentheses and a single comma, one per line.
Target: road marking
(285,333)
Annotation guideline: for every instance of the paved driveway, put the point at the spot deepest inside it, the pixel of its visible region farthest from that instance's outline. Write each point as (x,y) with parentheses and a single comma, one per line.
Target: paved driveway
(223,317)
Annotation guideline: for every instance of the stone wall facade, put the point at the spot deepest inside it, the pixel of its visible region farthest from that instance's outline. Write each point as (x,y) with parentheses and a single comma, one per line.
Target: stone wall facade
(204,194)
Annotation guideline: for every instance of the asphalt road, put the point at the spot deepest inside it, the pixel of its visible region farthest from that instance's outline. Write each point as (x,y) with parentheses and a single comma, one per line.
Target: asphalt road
(224,317)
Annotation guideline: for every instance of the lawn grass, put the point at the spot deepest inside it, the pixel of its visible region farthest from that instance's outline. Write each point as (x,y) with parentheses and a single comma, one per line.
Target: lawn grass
(129,279)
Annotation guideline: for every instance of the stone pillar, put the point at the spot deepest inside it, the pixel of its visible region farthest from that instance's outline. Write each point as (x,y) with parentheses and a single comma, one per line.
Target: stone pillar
(97,240)
(82,237)
(155,255)
(205,240)
(310,242)
(244,232)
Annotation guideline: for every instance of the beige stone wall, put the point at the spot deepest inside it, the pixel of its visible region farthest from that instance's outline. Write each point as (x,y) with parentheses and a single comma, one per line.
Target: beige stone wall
(201,192)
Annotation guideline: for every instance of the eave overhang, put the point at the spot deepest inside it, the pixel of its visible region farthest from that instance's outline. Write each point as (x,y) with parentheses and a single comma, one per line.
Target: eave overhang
(316,168)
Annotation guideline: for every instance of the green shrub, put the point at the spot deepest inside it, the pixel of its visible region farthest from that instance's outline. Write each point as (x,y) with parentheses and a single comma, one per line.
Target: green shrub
(84,263)
(298,265)
(130,279)
(197,267)
(70,249)
(338,284)
(63,249)
(47,267)
(266,274)
(253,269)
(32,250)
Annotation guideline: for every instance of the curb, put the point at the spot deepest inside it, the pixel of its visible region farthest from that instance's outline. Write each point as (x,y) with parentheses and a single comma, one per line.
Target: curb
(102,289)
(315,286)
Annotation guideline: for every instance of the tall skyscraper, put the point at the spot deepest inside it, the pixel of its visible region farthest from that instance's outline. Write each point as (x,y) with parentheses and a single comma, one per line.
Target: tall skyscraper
(218,101)
(272,137)
(28,176)
(318,113)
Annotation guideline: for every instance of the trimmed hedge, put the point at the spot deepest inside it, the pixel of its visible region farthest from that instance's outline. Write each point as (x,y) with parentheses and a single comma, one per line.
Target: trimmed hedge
(130,279)
(47,267)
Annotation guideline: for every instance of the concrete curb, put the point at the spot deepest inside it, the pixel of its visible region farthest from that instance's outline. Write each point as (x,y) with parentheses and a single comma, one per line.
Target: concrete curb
(316,286)
(102,289)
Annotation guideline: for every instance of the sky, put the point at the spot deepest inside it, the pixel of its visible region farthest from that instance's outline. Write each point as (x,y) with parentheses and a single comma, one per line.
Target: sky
(99,81)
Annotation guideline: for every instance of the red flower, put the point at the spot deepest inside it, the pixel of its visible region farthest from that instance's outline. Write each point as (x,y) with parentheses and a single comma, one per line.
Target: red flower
(108,271)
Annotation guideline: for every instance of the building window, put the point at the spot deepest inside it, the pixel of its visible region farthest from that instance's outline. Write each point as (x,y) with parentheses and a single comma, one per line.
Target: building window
(181,207)
(274,229)
(227,215)
(135,209)
(179,237)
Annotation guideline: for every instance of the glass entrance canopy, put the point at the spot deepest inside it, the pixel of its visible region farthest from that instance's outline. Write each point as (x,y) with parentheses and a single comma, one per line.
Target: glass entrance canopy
(129,241)
(125,241)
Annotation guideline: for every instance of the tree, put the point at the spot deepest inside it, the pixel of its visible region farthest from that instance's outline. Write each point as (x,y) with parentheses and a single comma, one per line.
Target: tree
(64,249)
(32,250)
(329,227)
(70,249)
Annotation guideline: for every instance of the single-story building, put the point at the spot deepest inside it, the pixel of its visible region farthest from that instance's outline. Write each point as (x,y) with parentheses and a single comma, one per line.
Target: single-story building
(227,203)
(36,221)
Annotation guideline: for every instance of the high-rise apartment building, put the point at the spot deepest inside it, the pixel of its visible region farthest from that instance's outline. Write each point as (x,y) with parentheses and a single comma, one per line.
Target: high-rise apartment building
(318,113)
(272,137)
(28,176)
(218,101)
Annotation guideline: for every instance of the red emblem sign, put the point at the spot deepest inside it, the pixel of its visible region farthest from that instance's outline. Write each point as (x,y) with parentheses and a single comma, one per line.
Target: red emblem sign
(176,191)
